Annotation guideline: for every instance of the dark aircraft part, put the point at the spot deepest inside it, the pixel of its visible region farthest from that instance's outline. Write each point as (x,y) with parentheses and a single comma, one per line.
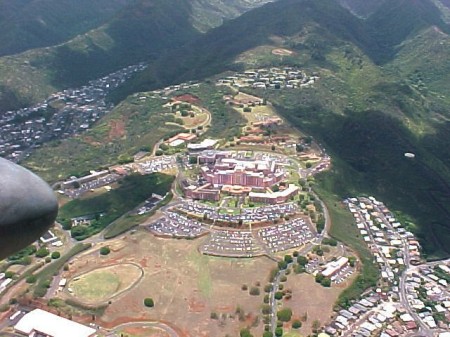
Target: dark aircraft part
(28,207)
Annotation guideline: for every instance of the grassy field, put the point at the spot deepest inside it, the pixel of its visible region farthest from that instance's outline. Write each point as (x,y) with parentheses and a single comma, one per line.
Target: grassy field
(310,298)
(132,191)
(183,283)
(102,284)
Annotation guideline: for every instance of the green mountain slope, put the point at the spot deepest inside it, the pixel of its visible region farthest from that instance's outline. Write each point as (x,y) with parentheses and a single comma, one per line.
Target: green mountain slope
(216,51)
(207,14)
(140,32)
(362,8)
(27,24)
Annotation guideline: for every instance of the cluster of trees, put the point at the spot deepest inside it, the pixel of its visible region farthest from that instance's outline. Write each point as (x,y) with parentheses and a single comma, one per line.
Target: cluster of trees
(324,281)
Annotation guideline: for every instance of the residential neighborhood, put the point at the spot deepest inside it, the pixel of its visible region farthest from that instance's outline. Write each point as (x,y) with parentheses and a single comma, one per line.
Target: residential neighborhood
(61,115)
(412,297)
(270,78)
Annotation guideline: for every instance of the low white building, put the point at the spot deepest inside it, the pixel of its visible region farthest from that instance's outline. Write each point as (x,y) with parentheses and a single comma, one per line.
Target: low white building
(38,322)
(334,266)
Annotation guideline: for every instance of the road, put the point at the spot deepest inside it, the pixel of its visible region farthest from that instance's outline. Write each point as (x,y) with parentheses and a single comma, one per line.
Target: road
(158,325)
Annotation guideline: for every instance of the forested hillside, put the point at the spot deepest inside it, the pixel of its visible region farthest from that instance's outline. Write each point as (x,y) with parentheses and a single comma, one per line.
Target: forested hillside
(27,24)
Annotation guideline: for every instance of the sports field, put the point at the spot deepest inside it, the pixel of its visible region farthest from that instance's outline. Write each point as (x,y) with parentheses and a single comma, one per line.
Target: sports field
(102,284)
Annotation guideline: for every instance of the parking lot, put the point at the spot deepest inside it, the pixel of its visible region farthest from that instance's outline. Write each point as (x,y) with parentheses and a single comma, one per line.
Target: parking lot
(88,186)
(253,215)
(156,165)
(177,225)
(342,275)
(286,236)
(231,243)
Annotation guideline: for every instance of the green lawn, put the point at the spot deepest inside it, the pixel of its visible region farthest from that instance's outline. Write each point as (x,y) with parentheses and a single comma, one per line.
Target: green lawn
(96,286)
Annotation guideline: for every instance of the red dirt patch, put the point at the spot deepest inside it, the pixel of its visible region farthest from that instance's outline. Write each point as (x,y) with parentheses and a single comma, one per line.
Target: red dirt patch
(188,98)
(196,305)
(143,263)
(117,129)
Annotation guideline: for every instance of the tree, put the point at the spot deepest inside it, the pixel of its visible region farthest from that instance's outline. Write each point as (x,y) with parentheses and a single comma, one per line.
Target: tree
(316,325)
(267,334)
(284,315)
(266,309)
(319,277)
(296,324)
(247,109)
(279,332)
(105,250)
(278,295)
(326,282)
(79,232)
(282,265)
(245,333)
(268,288)
(25,261)
(56,255)
(299,269)
(159,153)
(273,147)
(149,303)
(42,252)
(288,258)
(302,260)
(9,274)
(254,291)
(31,279)
(299,148)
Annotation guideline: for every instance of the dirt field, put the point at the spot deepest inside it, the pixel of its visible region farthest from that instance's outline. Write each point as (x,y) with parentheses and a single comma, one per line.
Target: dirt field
(185,285)
(143,332)
(101,284)
(117,129)
(309,297)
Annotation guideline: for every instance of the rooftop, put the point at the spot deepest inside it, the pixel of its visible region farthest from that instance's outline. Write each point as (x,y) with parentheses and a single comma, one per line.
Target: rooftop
(52,325)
